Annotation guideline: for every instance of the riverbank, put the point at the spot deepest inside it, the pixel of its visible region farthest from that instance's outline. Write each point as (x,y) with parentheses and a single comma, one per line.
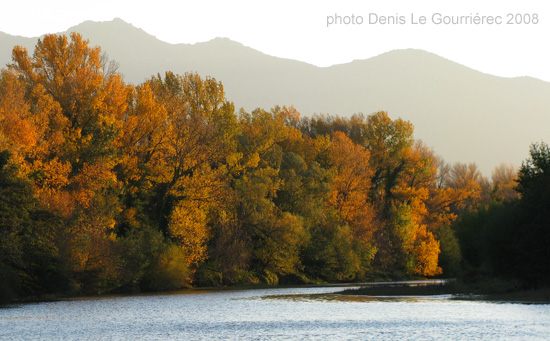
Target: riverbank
(488,291)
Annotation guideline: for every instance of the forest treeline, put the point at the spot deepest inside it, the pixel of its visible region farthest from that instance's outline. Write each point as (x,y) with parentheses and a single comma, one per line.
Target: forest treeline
(106,186)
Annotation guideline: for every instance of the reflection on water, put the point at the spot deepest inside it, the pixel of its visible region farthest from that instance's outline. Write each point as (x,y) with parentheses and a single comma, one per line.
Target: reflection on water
(266,314)
(335,297)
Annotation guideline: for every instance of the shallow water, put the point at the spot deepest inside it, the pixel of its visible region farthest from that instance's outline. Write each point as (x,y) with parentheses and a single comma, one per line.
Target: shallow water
(266,314)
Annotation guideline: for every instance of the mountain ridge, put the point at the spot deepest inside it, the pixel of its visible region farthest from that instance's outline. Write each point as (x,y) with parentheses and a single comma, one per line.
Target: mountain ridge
(464,114)
(83,27)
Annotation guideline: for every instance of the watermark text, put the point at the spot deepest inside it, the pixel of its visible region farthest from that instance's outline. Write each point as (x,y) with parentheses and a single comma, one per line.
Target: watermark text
(436,18)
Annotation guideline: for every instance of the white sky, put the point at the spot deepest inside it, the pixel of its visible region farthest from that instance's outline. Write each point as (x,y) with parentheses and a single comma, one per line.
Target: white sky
(298,29)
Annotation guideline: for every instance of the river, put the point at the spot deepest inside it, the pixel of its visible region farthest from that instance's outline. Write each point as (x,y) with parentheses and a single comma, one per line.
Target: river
(306,313)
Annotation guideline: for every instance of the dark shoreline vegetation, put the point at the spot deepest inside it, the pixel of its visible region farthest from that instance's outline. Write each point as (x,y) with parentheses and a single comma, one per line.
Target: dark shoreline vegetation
(107,187)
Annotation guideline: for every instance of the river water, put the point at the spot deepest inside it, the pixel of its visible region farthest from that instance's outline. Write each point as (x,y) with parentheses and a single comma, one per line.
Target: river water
(307,313)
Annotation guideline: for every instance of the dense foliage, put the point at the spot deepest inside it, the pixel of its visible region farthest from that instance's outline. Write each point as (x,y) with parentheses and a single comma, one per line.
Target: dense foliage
(107,186)
(510,239)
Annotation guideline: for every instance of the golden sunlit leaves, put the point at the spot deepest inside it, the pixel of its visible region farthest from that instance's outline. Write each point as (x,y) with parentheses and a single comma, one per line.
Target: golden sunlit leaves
(351,184)
(504,179)
(188,226)
(16,122)
(70,114)
(426,252)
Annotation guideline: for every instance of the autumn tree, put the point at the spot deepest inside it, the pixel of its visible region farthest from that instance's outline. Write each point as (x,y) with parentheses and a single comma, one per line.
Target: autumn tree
(179,146)
(74,115)
(404,173)
(271,234)
(388,142)
(504,181)
(351,185)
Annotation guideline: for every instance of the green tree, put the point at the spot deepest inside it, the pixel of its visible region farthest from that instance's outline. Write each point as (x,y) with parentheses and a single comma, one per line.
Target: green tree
(29,259)
(533,233)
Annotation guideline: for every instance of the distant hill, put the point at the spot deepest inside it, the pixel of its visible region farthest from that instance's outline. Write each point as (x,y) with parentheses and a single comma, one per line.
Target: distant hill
(463,114)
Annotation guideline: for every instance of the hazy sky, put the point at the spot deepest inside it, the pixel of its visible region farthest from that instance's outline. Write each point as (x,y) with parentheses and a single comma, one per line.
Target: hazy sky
(298,29)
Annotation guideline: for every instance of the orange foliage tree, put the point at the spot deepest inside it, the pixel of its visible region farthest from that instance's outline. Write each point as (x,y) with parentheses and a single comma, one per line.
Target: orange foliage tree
(74,115)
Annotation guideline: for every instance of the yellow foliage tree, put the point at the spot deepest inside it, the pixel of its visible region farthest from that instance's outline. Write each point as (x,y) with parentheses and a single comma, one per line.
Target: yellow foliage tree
(72,114)
(351,184)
